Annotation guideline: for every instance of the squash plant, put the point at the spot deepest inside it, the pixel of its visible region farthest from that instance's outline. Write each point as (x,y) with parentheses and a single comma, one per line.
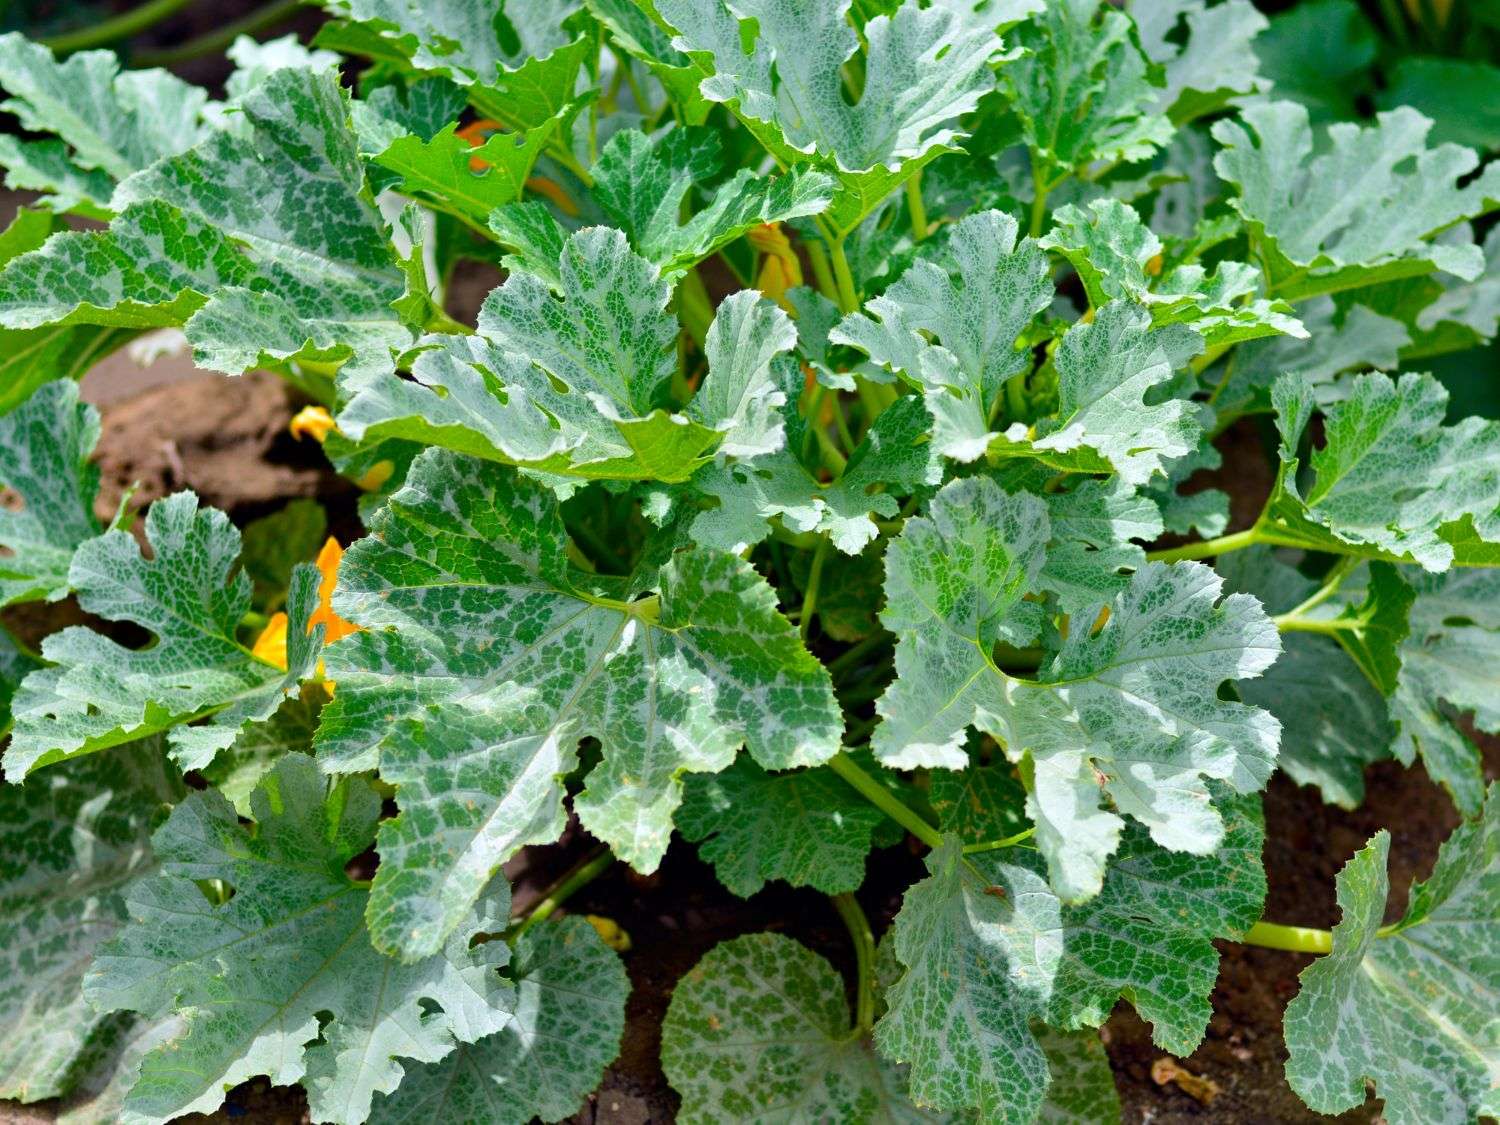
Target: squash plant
(821,473)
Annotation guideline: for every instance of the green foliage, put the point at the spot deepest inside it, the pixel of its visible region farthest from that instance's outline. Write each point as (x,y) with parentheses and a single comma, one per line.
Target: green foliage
(822,490)
(1408,1006)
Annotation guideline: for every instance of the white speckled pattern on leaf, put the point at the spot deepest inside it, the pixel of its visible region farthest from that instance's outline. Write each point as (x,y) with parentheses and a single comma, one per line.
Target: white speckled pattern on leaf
(485,661)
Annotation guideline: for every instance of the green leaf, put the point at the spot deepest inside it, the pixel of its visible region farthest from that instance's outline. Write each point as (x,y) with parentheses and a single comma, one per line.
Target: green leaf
(1082,1090)
(1130,712)
(1391,480)
(251,976)
(519,64)
(464,180)
(1410,1008)
(952,326)
(633,30)
(272,546)
(987,947)
(641,185)
(1334,721)
(1356,340)
(1113,253)
(237,771)
(31,357)
(98,693)
(1447,669)
(262,240)
(1093,551)
(71,843)
(1319,53)
(923,69)
(759,1030)
(1432,86)
(980,804)
(461,40)
(45,445)
(1083,89)
(1107,416)
(108,123)
(1361,212)
(1215,61)
(254,61)
(609,341)
(1205,511)
(1372,630)
(101,1091)
(570,1012)
(893,459)
(807,827)
(485,660)
(15,664)
(1472,307)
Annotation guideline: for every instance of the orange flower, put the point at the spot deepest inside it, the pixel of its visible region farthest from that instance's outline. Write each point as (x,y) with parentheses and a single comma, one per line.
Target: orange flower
(270,646)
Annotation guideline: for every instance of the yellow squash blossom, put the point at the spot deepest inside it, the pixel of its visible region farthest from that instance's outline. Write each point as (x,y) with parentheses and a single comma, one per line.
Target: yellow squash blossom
(270,646)
(780,268)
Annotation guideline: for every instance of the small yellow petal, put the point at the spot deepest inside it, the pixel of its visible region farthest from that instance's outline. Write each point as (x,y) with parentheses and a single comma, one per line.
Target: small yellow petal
(270,646)
(312,421)
(376,475)
(609,930)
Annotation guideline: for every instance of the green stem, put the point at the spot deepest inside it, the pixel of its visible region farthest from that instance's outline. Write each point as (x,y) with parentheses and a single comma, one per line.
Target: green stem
(996,845)
(822,271)
(864,960)
(215,41)
(884,800)
(694,308)
(851,657)
(848,295)
(1331,583)
(831,455)
(841,423)
(1040,189)
(1291,623)
(580,875)
(1207,548)
(814,580)
(1015,397)
(120,27)
(1293,939)
(916,207)
(814,408)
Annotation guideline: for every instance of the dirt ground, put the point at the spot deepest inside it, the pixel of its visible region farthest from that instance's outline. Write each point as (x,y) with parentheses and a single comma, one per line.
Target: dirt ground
(168,426)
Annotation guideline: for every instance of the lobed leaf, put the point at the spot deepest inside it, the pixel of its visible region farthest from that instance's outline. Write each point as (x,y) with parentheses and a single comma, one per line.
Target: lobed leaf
(1410,1007)
(45,445)
(570,992)
(1361,212)
(1129,712)
(1391,480)
(72,845)
(97,693)
(485,659)
(759,1030)
(249,978)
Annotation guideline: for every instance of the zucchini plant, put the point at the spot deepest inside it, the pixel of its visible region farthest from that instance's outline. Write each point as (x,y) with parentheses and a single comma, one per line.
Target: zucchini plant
(830,466)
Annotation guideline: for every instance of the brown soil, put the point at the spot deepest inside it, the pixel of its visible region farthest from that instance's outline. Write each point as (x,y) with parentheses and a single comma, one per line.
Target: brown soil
(226,439)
